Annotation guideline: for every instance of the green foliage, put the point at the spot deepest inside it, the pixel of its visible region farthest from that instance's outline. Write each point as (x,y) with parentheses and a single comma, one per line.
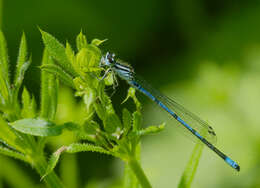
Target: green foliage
(81,41)
(189,172)
(25,131)
(22,64)
(18,120)
(120,136)
(63,76)
(4,72)
(49,90)
(37,127)
(11,153)
(57,52)
(28,105)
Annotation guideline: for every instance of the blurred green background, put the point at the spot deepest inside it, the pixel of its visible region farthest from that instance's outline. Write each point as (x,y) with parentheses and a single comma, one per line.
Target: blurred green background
(204,54)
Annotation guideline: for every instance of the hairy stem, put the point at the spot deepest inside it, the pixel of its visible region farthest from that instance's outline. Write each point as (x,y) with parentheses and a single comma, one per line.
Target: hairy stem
(139,173)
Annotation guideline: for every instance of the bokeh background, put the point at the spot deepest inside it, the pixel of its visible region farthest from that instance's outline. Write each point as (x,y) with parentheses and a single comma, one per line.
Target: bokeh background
(204,54)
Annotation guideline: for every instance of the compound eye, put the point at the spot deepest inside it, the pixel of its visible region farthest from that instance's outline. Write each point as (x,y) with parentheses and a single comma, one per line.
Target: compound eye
(110,58)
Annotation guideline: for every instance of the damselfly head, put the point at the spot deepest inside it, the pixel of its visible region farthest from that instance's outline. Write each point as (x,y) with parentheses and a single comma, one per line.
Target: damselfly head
(107,60)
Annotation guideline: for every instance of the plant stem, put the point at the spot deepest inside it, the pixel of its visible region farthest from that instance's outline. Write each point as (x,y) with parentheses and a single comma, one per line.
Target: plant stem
(51,179)
(139,173)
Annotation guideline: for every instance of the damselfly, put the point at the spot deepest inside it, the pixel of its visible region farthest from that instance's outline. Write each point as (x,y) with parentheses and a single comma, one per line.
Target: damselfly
(189,121)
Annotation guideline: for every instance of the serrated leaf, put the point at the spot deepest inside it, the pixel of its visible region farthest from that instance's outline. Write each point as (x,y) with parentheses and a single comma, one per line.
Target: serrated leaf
(89,98)
(57,70)
(137,120)
(53,161)
(131,94)
(58,52)
(100,110)
(4,61)
(91,127)
(71,126)
(77,147)
(112,122)
(4,90)
(11,153)
(110,79)
(53,93)
(22,64)
(70,53)
(73,148)
(4,70)
(95,53)
(81,41)
(190,170)
(37,127)
(9,137)
(127,120)
(97,42)
(87,60)
(151,130)
(104,99)
(49,89)
(20,74)
(28,105)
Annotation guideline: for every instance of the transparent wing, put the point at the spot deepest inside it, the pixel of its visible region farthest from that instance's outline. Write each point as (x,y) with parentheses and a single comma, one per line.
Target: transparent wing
(202,127)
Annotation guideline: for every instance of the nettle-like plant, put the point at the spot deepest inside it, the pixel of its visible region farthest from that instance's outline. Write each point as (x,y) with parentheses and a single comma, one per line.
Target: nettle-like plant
(24,130)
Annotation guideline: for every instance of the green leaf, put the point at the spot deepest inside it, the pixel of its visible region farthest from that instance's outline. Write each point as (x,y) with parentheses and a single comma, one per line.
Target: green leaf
(53,93)
(57,70)
(11,153)
(87,60)
(91,127)
(77,147)
(112,122)
(131,94)
(22,63)
(20,75)
(53,161)
(4,61)
(127,120)
(58,52)
(137,121)
(100,110)
(37,127)
(29,105)
(72,148)
(89,98)
(49,90)
(8,135)
(97,42)
(151,130)
(4,70)
(81,41)
(70,53)
(110,79)
(190,170)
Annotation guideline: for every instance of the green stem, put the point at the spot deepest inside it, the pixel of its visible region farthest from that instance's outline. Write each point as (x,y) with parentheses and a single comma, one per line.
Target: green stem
(139,173)
(52,179)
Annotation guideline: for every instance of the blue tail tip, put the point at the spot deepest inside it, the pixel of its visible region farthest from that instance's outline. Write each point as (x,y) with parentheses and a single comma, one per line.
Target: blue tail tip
(232,163)
(238,168)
